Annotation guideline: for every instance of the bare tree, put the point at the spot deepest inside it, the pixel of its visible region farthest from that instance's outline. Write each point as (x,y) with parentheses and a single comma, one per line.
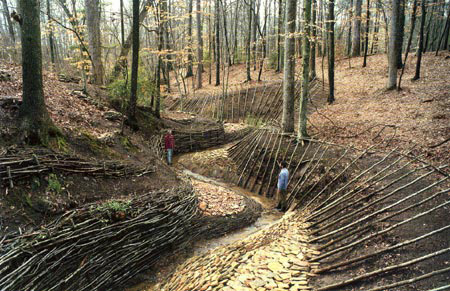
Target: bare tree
(280,23)
(366,41)
(312,59)
(35,119)
(393,45)
(356,43)
(349,35)
(217,40)
(189,71)
(423,18)
(94,39)
(408,47)
(302,132)
(289,68)
(331,50)
(199,45)
(134,65)
(249,41)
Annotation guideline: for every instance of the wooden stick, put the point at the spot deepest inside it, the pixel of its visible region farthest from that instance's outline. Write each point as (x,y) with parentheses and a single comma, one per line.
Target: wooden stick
(268,163)
(262,161)
(354,243)
(384,270)
(446,287)
(249,159)
(257,158)
(391,248)
(274,163)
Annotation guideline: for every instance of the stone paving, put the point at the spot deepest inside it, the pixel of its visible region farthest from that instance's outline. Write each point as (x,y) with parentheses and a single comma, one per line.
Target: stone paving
(272,259)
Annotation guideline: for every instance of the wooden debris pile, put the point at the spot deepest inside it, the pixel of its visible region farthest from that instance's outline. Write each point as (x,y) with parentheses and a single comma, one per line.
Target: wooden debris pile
(99,247)
(21,165)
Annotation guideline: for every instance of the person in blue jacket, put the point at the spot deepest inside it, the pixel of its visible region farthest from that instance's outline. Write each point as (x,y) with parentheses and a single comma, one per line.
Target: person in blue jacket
(283,179)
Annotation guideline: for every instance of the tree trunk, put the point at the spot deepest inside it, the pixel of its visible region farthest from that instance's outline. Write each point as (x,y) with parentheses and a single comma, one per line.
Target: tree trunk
(421,40)
(254,24)
(331,50)
(122,58)
(249,42)
(189,71)
(94,39)
(408,47)
(134,64)
(393,45)
(444,33)
(401,33)
(302,132)
(356,43)
(349,36)
(122,24)
(225,33)
(12,35)
(366,45)
(280,23)
(312,59)
(217,46)
(289,68)
(199,45)
(34,116)
(51,42)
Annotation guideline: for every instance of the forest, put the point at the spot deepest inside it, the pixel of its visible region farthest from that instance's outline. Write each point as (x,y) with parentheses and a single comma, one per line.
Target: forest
(199,145)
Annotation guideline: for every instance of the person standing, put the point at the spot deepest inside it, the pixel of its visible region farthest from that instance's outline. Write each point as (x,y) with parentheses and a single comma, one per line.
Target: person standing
(283,179)
(169,145)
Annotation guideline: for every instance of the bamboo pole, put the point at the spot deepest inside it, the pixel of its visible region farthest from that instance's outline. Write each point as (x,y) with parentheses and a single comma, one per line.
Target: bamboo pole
(268,163)
(384,270)
(257,158)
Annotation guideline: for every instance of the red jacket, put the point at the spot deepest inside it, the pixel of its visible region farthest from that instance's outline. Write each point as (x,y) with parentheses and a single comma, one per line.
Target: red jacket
(169,141)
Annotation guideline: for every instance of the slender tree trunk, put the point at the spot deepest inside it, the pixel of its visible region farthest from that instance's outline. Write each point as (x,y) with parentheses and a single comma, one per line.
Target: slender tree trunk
(375,30)
(134,65)
(312,59)
(210,45)
(302,132)
(393,45)
(356,43)
(225,33)
(217,45)
(189,71)
(366,45)
(199,45)
(126,46)
(235,36)
(249,40)
(12,35)
(94,39)
(254,37)
(280,23)
(289,68)
(421,40)
(401,33)
(408,47)
(51,42)
(349,36)
(428,29)
(122,24)
(331,50)
(34,116)
(444,32)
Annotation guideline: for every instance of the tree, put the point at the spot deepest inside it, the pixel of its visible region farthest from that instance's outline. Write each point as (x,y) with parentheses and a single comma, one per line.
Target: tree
(356,43)
(401,33)
(94,39)
(217,40)
(366,45)
(280,23)
(289,68)
(134,64)
(35,119)
(189,72)
(312,59)
(421,40)
(408,47)
(199,45)
(50,35)
(12,35)
(445,33)
(394,45)
(302,132)
(249,41)
(331,50)
(349,35)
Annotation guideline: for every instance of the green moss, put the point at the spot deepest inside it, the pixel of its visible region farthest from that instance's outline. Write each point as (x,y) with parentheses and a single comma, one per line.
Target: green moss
(54,185)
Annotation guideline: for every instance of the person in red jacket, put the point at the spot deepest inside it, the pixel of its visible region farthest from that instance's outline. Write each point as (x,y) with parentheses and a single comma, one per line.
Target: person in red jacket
(169,145)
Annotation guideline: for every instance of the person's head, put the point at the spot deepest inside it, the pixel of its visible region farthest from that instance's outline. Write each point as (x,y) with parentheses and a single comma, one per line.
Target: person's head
(283,164)
(169,131)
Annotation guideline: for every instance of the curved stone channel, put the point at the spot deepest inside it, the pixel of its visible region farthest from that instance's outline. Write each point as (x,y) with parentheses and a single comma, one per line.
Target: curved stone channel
(270,244)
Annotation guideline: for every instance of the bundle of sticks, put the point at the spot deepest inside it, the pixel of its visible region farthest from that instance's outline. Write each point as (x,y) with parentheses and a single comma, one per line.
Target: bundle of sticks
(90,249)
(188,141)
(23,165)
